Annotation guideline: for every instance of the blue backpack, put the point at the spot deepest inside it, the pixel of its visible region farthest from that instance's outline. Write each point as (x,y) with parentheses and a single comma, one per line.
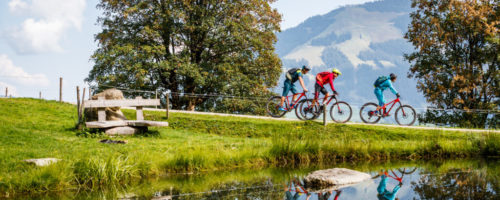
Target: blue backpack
(380,80)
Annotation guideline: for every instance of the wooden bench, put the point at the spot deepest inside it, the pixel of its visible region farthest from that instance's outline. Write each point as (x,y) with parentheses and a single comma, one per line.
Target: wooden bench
(101,104)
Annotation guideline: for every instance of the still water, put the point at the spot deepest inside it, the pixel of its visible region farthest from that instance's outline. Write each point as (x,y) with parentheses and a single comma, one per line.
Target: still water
(450,179)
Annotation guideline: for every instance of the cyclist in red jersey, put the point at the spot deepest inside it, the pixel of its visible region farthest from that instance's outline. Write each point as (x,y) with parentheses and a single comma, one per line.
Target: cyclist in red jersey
(322,79)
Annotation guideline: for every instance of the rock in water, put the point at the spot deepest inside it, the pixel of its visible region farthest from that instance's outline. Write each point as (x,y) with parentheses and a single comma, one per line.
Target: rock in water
(334,177)
(112,113)
(42,161)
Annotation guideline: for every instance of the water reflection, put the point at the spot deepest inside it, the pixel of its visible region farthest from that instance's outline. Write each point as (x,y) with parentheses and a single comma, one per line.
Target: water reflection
(436,180)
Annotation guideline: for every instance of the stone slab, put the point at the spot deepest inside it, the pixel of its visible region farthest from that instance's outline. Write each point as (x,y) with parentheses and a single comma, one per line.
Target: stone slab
(334,177)
(121,103)
(123,130)
(42,161)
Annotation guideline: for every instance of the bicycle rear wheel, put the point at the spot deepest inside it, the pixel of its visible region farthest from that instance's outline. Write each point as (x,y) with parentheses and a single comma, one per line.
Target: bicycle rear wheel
(308,110)
(367,113)
(273,105)
(341,112)
(405,115)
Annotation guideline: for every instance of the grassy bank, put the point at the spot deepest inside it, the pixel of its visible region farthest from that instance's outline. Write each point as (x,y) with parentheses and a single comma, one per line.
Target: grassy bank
(36,129)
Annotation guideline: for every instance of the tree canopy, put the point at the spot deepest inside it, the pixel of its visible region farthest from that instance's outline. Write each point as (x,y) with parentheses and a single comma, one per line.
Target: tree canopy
(457,58)
(223,47)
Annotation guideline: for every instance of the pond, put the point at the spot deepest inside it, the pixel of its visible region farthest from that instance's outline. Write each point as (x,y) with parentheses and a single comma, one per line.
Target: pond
(448,179)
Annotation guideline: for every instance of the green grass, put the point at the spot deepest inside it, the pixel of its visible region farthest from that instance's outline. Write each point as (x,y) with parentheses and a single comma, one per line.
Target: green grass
(32,128)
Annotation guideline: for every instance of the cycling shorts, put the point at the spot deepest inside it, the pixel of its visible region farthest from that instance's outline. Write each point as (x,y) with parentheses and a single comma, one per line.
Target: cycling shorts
(318,88)
(288,86)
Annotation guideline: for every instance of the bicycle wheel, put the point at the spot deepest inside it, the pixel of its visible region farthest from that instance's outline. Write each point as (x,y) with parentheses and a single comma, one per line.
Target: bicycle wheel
(367,113)
(308,110)
(272,107)
(406,115)
(297,109)
(341,112)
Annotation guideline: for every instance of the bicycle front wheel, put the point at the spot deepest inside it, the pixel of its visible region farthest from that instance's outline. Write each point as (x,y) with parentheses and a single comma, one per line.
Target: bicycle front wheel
(273,105)
(367,113)
(406,115)
(341,112)
(297,109)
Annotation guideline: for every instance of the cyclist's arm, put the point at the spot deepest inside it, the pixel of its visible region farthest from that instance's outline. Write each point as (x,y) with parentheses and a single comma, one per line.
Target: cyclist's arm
(319,80)
(331,83)
(392,88)
(301,81)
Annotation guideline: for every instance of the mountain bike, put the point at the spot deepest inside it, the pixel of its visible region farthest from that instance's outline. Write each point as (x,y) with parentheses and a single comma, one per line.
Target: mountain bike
(340,111)
(273,105)
(405,114)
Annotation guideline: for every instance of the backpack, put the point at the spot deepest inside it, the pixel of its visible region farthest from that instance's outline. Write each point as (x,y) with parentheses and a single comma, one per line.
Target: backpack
(380,80)
(289,73)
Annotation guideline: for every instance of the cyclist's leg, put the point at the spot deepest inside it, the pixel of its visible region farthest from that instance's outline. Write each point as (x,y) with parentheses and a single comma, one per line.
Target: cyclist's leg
(325,92)
(382,184)
(294,92)
(286,89)
(317,89)
(380,98)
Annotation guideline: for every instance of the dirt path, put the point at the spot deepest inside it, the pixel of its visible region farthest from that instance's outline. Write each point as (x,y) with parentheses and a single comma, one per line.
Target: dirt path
(351,123)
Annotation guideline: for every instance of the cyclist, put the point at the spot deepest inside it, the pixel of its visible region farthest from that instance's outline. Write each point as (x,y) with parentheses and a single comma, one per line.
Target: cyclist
(381,84)
(322,79)
(291,77)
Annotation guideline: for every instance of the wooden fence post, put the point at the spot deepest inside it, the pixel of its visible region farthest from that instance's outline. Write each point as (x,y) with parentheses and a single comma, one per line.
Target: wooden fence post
(60,88)
(90,93)
(78,103)
(6,92)
(156,97)
(40,95)
(324,115)
(81,106)
(168,102)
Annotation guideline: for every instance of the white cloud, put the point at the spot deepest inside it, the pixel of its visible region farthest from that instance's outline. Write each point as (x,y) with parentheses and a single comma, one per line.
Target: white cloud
(11,90)
(9,71)
(46,25)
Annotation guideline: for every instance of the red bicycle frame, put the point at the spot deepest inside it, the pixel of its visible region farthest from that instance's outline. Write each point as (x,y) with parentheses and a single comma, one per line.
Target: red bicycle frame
(287,101)
(393,102)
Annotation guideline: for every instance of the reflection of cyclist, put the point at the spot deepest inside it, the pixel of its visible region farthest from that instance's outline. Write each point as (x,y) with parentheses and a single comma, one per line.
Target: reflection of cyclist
(326,195)
(292,76)
(322,79)
(383,193)
(299,190)
(381,84)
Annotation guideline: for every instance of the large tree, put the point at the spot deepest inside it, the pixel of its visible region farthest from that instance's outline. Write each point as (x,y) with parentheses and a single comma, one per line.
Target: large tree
(457,58)
(208,47)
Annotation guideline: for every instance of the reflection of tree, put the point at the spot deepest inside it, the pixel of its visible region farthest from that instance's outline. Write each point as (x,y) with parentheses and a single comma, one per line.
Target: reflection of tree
(457,184)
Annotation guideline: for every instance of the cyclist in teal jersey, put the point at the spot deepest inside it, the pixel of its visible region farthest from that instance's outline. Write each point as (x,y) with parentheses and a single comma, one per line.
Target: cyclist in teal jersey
(382,85)
(292,76)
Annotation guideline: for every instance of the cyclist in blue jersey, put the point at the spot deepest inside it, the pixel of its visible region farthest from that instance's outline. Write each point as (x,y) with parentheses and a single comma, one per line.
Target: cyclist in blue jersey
(292,76)
(381,84)
(382,192)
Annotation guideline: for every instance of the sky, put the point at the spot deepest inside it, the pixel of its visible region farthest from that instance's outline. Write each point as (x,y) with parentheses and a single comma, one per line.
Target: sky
(43,40)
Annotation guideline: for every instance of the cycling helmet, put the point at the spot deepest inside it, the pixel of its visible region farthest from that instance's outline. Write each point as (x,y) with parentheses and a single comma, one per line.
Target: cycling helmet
(306,68)
(393,76)
(337,71)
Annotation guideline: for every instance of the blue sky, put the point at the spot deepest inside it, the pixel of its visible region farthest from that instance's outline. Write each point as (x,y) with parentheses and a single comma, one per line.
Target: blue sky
(42,40)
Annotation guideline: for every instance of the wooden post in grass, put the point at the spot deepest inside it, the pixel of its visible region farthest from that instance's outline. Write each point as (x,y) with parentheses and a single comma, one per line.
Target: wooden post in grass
(324,115)
(60,89)
(81,106)
(156,97)
(40,95)
(168,101)
(6,92)
(78,104)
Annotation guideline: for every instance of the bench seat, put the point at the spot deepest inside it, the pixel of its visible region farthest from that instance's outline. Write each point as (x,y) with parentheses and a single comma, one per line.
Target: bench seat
(133,123)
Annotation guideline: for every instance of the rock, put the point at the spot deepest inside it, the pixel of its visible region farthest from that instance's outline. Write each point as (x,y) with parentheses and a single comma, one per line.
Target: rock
(334,177)
(42,161)
(123,130)
(112,113)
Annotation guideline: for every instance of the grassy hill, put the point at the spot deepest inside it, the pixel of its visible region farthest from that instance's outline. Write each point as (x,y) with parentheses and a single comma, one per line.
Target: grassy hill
(31,128)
